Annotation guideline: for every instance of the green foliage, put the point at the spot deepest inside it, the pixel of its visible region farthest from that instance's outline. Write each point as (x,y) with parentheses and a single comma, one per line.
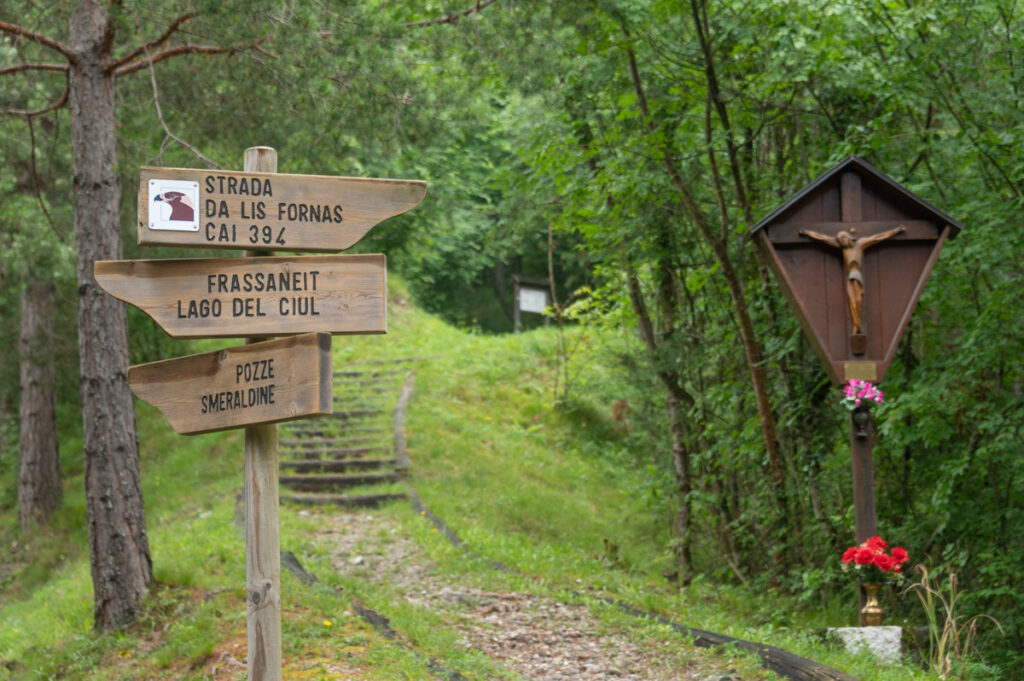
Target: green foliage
(522,116)
(951,635)
(927,92)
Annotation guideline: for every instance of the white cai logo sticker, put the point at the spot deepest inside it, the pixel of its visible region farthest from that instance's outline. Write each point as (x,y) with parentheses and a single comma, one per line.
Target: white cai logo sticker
(174,205)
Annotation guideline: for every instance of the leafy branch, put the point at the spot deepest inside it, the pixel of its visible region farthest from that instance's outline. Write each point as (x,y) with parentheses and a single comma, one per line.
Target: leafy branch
(129,63)
(453,17)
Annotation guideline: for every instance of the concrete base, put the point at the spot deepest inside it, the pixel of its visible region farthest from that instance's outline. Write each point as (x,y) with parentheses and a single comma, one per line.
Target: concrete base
(885,643)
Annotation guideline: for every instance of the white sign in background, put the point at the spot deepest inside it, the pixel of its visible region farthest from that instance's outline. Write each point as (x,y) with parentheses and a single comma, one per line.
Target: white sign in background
(533,300)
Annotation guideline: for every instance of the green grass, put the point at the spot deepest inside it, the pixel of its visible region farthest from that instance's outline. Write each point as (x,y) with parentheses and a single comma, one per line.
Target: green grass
(556,492)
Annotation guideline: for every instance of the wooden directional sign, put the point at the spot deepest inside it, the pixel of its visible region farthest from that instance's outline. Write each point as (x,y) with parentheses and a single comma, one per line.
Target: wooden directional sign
(852,252)
(265,211)
(267,296)
(267,382)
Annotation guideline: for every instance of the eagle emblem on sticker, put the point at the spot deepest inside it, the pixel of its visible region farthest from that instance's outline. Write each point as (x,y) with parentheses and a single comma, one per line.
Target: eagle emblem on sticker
(174,205)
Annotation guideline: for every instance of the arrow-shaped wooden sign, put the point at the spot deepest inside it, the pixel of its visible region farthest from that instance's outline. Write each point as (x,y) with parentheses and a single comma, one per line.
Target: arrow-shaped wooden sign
(267,382)
(266,211)
(244,297)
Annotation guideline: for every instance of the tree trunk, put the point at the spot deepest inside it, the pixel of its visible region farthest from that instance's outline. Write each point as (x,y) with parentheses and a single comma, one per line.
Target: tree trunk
(719,246)
(675,399)
(684,485)
(118,546)
(39,488)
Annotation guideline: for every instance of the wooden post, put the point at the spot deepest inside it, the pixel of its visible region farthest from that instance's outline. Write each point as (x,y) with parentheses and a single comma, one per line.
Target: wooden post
(262,532)
(516,313)
(861,431)
(861,461)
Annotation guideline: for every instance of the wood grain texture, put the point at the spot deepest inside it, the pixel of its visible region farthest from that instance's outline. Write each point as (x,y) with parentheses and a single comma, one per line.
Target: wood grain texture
(894,272)
(262,554)
(268,382)
(246,297)
(862,469)
(262,531)
(289,212)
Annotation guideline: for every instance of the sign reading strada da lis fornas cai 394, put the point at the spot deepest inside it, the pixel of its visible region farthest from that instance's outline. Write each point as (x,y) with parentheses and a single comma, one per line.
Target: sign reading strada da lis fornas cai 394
(265,211)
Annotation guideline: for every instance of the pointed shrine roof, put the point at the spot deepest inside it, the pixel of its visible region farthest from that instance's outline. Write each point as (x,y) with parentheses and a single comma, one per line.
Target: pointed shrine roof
(872,175)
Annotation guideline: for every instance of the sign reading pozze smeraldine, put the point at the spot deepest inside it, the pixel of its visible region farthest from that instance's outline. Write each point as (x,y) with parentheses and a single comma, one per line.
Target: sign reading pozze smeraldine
(266,211)
(269,296)
(267,382)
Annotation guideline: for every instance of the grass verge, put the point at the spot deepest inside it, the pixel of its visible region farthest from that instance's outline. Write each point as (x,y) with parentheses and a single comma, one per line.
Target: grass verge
(552,491)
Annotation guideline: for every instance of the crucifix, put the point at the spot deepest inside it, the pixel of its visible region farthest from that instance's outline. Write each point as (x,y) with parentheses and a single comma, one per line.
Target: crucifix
(853,257)
(855,327)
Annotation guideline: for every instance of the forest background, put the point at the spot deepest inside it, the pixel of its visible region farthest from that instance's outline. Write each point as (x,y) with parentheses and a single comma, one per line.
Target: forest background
(625,147)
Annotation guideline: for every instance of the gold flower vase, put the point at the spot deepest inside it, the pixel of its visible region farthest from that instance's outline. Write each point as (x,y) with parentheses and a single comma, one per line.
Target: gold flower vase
(872,614)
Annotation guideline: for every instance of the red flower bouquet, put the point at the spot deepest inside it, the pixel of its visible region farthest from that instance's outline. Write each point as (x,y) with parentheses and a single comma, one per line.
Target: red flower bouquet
(872,562)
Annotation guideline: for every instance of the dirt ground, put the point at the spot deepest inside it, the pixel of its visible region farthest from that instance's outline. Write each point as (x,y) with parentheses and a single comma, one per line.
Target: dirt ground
(536,637)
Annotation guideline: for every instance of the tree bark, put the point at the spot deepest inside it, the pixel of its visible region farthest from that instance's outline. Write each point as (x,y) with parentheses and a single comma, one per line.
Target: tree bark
(675,398)
(684,485)
(39,487)
(751,347)
(118,546)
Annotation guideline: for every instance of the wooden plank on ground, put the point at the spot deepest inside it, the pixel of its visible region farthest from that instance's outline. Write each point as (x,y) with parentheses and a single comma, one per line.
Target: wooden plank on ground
(337,481)
(332,466)
(346,500)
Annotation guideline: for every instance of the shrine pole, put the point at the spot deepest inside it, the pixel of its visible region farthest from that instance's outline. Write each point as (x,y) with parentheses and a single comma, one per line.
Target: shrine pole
(861,432)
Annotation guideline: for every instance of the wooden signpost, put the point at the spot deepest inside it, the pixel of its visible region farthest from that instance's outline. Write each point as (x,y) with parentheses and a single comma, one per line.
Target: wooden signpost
(852,252)
(265,211)
(265,381)
(268,382)
(265,296)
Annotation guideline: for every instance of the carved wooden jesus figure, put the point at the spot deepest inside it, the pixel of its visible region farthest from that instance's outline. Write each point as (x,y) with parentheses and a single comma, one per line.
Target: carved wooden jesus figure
(853,257)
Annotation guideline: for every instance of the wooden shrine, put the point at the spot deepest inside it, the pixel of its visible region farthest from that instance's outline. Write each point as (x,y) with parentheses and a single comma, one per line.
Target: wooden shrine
(852,251)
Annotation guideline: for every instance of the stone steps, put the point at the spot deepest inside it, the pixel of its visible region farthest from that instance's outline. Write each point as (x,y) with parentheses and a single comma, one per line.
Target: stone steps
(326,482)
(355,446)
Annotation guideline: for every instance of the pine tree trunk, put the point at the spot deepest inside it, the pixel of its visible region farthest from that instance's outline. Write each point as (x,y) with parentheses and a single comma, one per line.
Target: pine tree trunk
(684,485)
(39,488)
(118,546)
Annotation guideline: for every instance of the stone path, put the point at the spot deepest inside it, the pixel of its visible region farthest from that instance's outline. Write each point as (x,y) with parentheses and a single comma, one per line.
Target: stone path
(532,636)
